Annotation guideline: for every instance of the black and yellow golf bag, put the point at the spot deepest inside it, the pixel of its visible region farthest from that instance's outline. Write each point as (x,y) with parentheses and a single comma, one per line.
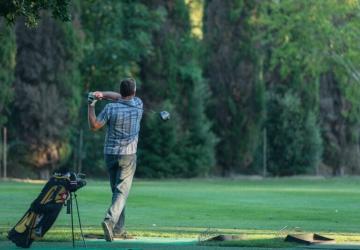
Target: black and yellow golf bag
(44,209)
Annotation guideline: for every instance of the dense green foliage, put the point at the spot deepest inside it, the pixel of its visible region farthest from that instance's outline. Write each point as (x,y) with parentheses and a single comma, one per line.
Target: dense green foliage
(291,47)
(172,78)
(268,87)
(47,95)
(315,59)
(293,135)
(31,10)
(7,69)
(233,69)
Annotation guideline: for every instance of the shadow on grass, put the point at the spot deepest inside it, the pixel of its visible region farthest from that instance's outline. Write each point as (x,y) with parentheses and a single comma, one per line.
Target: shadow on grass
(271,242)
(175,239)
(123,245)
(148,240)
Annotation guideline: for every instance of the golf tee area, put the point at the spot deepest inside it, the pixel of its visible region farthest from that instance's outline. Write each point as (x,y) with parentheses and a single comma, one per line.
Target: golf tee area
(182,214)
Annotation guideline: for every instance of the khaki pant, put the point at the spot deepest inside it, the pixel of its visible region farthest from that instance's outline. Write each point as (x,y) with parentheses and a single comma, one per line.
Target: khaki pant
(121,170)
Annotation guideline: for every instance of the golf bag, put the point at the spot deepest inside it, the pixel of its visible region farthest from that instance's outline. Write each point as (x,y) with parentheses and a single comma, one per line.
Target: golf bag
(45,209)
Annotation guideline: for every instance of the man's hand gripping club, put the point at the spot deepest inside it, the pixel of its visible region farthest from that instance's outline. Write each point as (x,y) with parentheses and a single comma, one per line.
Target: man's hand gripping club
(93,97)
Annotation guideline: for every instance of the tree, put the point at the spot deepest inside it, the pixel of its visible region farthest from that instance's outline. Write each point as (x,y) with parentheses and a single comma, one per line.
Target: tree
(160,146)
(7,69)
(173,75)
(311,49)
(47,93)
(233,68)
(295,144)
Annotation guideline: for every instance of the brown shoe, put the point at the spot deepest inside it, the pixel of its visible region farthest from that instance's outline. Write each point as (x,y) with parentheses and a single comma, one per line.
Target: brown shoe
(123,235)
(108,230)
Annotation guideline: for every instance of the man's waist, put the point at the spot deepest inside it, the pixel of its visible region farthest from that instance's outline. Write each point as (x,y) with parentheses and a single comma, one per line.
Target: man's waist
(121,146)
(120,151)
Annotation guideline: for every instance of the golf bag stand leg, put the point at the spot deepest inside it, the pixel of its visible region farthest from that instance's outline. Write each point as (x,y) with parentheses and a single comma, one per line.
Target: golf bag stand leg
(69,210)
(78,213)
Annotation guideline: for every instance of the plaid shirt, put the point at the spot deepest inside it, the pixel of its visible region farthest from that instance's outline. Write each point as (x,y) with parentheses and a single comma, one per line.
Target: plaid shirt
(123,126)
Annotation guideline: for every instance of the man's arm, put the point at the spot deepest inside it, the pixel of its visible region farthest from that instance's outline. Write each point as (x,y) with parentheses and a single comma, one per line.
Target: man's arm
(93,123)
(107,95)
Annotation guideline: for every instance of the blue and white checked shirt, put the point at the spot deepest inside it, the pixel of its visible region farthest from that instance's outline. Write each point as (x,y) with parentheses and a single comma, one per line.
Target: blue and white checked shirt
(123,126)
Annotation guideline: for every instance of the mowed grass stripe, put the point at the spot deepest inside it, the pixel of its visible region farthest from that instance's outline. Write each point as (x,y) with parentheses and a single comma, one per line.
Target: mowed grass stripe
(314,205)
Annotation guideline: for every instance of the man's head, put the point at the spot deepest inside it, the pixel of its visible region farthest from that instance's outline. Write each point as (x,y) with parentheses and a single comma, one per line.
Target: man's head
(127,87)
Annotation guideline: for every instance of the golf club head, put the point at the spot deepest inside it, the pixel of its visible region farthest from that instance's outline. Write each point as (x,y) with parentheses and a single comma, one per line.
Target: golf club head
(164,115)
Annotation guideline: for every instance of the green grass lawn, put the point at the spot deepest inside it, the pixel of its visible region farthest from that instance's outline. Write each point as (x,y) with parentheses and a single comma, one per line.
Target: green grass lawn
(257,209)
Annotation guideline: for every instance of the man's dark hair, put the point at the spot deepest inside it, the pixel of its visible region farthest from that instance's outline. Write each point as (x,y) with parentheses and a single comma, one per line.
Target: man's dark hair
(127,87)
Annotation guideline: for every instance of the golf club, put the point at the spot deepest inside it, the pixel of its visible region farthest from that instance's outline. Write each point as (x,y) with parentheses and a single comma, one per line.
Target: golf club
(164,115)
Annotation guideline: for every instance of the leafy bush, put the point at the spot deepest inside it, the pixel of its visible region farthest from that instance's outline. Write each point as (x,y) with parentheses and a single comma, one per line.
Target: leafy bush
(294,141)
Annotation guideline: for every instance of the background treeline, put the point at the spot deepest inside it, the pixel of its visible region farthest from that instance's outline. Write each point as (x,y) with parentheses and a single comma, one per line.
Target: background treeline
(253,87)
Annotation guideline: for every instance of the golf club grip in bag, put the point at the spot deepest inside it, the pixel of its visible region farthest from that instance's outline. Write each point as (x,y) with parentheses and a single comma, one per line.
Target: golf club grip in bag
(43,211)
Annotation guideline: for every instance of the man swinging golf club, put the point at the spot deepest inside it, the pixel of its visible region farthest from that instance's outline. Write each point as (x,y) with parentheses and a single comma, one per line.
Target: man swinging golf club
(122,118)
